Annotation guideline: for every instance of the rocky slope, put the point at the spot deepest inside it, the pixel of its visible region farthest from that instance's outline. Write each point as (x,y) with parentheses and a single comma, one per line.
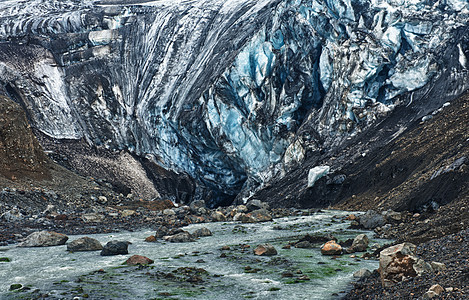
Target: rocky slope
(449,250)
(32,181)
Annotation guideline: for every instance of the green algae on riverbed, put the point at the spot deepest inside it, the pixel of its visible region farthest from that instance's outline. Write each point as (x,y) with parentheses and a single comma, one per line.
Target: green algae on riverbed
(199,270)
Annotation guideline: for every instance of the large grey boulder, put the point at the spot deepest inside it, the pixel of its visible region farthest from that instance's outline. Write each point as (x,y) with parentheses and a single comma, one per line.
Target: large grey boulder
(181,237)
(359,244)
(196,205)
(362,273)
(204,231)
(44,239)
(84,244)
(161,231)
(115,248)
(372,219)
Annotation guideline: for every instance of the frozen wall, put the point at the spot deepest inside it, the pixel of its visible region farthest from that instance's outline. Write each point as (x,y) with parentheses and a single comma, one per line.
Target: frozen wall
(217,88)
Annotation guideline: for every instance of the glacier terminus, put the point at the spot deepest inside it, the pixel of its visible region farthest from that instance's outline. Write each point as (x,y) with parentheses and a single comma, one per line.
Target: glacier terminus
(231,93)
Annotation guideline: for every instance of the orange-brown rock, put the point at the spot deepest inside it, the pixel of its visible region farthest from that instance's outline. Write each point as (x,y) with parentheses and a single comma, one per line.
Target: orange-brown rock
(150,239)
(331,248)
(397,262)
(138,260)
(265,250)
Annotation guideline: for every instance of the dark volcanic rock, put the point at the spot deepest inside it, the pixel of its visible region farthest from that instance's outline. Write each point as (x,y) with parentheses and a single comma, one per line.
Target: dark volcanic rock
(314,239)
(115,248)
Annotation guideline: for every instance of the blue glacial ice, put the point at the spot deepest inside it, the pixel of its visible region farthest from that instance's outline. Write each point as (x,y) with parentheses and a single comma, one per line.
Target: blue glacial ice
(219,89)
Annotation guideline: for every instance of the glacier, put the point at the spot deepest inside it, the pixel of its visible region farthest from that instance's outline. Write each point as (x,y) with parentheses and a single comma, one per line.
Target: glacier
(231,92)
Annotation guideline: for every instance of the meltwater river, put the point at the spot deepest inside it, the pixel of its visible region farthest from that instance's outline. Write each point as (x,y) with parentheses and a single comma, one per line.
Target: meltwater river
(238,275)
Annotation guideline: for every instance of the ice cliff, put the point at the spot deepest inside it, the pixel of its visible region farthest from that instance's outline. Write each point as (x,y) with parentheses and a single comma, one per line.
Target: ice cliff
(227,91)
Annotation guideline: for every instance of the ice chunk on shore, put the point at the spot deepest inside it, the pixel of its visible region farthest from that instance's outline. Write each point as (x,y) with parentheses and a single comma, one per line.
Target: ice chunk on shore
(316,173)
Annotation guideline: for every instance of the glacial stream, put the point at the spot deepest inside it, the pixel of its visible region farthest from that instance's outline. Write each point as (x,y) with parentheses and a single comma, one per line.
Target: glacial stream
(195,270)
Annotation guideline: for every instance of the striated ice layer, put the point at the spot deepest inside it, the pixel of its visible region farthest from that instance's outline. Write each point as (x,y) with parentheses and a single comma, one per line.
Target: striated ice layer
(221,89)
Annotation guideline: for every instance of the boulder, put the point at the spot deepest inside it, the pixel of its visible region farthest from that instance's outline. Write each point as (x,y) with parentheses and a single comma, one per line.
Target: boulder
(260,215)
(398,262)
(161,231)
(115,248)
(202,211)
(128,212)
(196,205)
(372,219)
(317,239)
(169,212)
(359,244)
(437,267)
(150,239)
(218,216)
(362,273)
(102,199)
(303,244)
(138,260)
(351,217)
(240,209)
(239,217)
(174,231)
(393,216)
(437,289)
(92,218)
(265,250)
(44,239)
(331,248)
(181,237)
(422,266)
(13,215)
(253,205)
(84,244)
(202,232)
